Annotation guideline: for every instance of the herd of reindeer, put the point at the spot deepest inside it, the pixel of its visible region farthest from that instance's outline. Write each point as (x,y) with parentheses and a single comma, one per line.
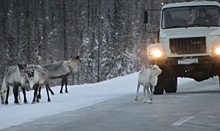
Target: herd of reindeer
(36,76)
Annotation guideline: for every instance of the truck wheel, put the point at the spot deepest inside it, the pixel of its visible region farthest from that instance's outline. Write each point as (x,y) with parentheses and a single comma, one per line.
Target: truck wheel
(167,83)
(170,86)
(159,88)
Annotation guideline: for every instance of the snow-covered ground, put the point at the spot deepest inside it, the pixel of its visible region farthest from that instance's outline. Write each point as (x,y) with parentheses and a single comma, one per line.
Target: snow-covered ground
(79,96)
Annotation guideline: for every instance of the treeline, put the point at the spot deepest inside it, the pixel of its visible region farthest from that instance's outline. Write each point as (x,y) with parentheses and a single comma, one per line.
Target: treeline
(109,35)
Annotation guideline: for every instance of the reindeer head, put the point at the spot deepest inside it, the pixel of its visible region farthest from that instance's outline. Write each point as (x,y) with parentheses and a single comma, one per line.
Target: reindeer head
(156,69)
(76,58)
(74,63)
(30,73)
(22,66)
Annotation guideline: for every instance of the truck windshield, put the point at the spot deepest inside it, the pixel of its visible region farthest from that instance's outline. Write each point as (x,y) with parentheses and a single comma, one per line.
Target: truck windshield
(190,16)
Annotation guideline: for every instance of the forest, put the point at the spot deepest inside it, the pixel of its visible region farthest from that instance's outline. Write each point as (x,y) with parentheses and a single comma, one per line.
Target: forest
(109,35)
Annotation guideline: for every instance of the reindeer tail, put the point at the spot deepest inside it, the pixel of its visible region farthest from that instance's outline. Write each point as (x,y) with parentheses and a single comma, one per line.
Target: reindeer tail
(3,90)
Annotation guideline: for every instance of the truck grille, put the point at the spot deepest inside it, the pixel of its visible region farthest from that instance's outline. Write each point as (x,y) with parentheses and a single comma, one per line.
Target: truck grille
(188,45)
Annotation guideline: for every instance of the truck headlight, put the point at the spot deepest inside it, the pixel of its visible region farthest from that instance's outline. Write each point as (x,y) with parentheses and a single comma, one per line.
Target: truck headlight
(217,51)
(157,53)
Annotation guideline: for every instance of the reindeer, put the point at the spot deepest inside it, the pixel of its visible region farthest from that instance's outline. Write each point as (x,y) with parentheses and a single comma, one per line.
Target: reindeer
(148,79)
(13,79)
(38,77)
(62,69)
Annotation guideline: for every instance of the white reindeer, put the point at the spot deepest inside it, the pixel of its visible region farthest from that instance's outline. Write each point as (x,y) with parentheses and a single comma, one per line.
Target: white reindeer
(38,77)
(13,81)
(148,79)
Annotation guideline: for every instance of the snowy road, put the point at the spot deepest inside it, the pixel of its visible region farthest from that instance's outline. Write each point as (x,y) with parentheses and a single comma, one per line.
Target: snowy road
(194,107)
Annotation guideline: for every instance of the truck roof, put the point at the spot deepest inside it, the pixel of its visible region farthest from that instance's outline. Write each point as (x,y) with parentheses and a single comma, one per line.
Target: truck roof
(192,3)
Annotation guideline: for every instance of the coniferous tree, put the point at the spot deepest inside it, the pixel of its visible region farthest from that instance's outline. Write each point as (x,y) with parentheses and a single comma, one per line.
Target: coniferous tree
(109,35)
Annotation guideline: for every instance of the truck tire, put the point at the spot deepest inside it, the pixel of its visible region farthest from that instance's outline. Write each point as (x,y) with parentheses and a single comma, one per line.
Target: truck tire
(166,82)
(159,88)
(170,86)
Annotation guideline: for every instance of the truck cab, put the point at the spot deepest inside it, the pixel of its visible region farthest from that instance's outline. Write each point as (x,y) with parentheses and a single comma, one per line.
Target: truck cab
(188,43)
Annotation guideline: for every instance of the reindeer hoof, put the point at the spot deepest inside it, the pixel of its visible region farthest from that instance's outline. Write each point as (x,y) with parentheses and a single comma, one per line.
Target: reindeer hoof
(66,91)
(136,98)
(25,101)
(16,102)
(39,96)
(149,102)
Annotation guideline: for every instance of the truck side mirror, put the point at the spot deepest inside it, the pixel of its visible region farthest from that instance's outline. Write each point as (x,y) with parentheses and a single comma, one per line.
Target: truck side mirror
(158,36)
(145,17)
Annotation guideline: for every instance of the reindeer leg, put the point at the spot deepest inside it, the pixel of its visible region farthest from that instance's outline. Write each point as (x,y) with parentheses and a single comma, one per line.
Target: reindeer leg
(149,95)
(152,90)
(48,95)
(3,96)
(51,90)
(19,97)
(136,97)
(65,82)
(24,93)
(39,93)
(35,94)
(7,94)
(145,98)
(62,83)
(15,90)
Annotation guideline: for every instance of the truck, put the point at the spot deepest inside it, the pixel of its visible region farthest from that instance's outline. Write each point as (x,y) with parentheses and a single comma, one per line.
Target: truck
(186,48)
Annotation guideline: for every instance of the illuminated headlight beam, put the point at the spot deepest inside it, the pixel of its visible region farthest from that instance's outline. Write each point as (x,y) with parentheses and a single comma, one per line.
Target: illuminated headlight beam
(156,53)
(217,51)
